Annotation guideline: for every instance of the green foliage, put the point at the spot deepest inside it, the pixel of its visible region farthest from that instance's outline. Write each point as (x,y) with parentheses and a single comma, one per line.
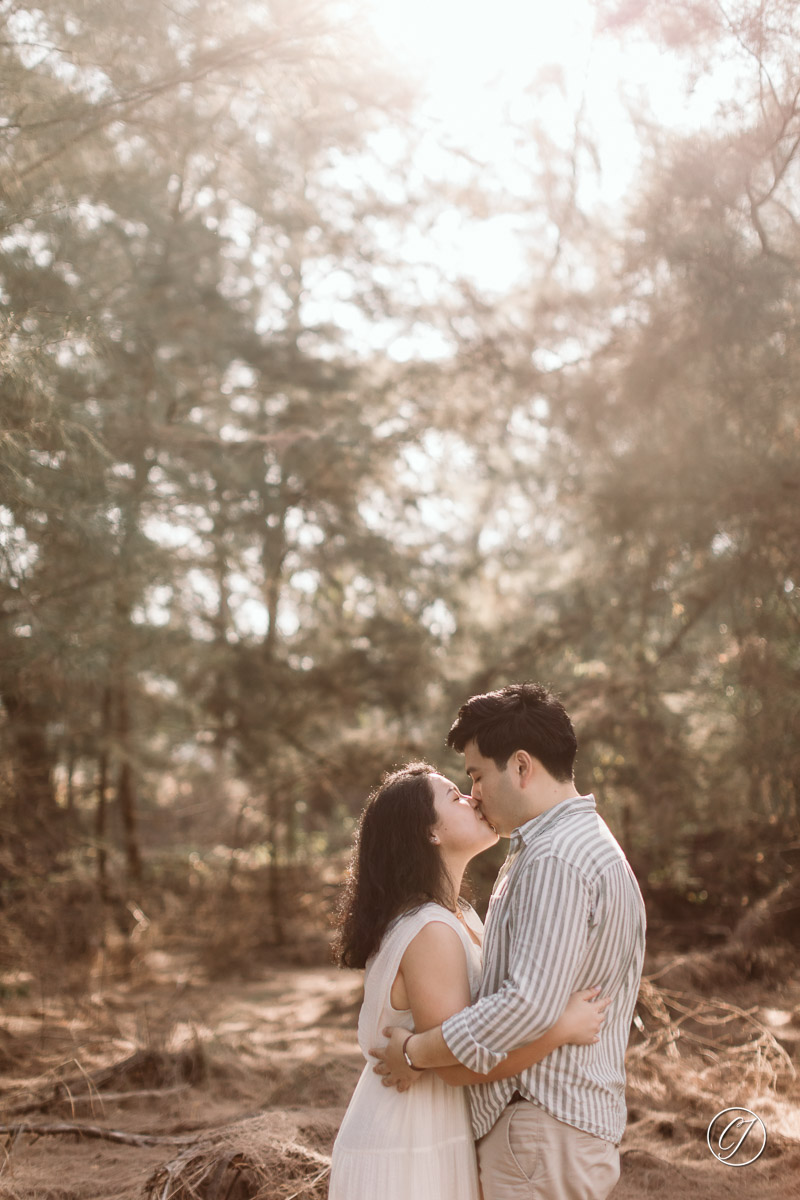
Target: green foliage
(249,561)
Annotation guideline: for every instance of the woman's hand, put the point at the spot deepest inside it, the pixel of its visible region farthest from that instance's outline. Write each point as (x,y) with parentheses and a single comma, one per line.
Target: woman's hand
(582,1019)
(391,1064)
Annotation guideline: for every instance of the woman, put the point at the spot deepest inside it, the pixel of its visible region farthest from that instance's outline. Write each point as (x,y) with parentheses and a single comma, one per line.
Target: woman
(402,919)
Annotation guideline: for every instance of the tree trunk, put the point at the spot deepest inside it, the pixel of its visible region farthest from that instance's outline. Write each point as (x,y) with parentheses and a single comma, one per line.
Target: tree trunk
(290,820)
(71,757)
(101,808)
(35,822)
(126,788)
(274,896)
(33,759)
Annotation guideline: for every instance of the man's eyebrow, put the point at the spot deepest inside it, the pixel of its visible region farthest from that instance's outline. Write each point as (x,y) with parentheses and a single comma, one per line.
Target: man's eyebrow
(470,771)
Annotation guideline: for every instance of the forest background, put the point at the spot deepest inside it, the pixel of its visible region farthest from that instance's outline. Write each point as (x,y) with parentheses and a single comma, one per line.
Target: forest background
(316,418)
(280,488)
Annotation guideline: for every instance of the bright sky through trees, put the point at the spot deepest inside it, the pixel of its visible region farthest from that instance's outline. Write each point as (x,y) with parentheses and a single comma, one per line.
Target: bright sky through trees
(478,58)
(478,63)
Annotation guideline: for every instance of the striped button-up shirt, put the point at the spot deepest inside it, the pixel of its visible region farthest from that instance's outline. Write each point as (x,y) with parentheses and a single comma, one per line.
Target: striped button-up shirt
(566,913)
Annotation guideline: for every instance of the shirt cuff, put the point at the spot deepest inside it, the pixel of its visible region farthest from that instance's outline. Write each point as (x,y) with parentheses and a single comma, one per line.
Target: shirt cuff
(469,1052)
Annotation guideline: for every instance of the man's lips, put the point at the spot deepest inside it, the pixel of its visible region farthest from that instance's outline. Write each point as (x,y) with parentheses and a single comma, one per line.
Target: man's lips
(482,817)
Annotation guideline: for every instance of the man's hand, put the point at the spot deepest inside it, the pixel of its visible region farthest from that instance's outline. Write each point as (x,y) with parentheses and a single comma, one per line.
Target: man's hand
(391,1066)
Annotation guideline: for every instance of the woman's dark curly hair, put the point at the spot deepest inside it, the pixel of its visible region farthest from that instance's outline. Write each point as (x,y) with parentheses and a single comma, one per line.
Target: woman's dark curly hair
(394,866)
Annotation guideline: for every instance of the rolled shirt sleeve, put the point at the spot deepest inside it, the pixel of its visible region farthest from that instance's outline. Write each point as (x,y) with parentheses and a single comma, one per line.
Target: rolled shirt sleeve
(548,915)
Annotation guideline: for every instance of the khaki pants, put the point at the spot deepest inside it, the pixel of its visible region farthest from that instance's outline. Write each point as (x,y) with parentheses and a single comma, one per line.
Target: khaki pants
(529,1155)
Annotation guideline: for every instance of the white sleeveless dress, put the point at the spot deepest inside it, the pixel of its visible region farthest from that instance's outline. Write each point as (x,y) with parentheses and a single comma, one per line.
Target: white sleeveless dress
(414,1145)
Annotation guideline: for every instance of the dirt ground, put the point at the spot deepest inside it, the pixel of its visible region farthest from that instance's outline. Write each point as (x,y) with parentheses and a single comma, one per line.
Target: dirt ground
(279,1053)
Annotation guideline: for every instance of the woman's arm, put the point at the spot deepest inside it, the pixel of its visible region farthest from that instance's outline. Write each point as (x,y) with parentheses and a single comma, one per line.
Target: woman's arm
(432,978)
(579,1024)
(432,981)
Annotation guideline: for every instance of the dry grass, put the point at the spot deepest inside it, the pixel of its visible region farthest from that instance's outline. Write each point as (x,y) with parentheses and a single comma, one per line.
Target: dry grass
(257,1159)
(218,1054)
(690,1048)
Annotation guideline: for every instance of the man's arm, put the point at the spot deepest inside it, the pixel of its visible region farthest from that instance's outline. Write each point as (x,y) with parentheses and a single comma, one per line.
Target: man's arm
(549,911)
(429,1051)
(579,1024)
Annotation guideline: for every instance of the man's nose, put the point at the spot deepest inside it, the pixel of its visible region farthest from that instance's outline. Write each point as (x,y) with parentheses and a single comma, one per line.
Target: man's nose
(475,795)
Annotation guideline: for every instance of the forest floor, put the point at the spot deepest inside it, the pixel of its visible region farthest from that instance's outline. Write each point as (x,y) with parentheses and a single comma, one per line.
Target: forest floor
(275,1058)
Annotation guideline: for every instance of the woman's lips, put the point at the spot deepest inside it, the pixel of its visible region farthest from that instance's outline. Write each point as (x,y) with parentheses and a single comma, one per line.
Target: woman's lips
(482,817)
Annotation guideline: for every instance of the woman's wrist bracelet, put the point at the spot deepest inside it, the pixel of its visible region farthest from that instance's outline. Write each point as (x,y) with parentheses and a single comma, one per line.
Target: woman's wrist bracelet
(407,1056)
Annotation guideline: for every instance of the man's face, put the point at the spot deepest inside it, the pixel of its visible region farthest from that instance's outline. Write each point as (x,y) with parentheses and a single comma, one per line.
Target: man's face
(460,827)
(492,790)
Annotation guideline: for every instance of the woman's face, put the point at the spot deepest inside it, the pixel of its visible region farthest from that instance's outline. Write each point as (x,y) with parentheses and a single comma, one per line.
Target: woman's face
(459,826)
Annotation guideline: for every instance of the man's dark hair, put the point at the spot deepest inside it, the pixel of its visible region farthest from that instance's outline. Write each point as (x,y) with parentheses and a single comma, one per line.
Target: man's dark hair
(521,716)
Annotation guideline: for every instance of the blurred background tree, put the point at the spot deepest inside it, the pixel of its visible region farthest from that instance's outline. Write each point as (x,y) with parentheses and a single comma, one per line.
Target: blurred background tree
(251,557)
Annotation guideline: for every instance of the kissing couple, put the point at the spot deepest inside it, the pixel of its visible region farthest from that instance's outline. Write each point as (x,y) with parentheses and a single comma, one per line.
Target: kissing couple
(495,1057)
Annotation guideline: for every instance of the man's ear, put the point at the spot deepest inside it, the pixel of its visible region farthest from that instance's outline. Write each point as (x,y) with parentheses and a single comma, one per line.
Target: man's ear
(523,766)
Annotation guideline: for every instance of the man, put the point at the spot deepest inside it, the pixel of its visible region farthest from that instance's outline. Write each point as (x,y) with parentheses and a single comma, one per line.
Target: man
(566,913)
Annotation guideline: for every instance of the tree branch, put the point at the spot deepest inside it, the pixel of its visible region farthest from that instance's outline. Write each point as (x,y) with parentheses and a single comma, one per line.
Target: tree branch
(64,1128)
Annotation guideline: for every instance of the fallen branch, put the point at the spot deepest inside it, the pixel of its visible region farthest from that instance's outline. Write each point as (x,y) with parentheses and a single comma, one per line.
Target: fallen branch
(41,1105)
(690,1047)
(156,1072)
(60,1128)
(739,1030)
(117,1097)
(148,1067)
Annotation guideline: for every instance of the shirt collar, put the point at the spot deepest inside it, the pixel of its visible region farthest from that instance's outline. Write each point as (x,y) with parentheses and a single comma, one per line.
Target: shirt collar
(534,828)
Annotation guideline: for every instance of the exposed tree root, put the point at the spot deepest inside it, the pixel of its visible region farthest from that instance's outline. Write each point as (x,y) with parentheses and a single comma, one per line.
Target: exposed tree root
(79,1129)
